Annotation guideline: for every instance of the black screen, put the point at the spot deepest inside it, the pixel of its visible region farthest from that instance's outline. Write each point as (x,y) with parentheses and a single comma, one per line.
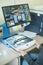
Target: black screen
(16,14)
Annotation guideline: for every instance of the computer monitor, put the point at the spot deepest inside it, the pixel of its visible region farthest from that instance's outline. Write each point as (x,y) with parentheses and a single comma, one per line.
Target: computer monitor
(16,14)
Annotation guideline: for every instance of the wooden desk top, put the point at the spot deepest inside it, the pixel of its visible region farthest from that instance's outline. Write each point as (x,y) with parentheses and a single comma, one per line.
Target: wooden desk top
(39,39)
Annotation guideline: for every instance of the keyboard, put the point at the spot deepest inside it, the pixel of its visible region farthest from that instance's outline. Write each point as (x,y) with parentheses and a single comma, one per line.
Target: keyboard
(19,42)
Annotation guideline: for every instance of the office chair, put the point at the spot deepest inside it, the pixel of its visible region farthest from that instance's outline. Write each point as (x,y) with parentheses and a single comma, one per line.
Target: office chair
(33,56)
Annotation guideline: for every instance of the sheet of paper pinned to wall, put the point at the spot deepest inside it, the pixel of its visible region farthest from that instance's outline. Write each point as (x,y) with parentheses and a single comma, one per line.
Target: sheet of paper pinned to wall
(29,34)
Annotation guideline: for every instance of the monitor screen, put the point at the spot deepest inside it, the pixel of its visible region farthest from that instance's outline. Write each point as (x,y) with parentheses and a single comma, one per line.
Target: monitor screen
(16,14)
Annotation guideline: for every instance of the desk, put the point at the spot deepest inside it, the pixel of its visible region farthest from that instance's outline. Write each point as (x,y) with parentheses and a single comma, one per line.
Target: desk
(39,39)
(8,54)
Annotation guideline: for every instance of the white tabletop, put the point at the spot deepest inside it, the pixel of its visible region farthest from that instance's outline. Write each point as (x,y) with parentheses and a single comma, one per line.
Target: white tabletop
(6,54)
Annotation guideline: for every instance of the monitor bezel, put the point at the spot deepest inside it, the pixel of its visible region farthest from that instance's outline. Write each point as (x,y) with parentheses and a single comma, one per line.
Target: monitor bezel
(14,23)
